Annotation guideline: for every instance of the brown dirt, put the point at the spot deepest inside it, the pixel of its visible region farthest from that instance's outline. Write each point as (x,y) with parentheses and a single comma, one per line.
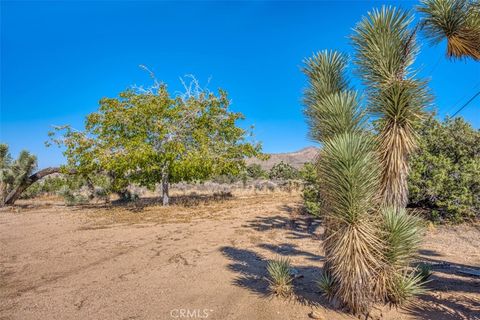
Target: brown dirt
(203,261)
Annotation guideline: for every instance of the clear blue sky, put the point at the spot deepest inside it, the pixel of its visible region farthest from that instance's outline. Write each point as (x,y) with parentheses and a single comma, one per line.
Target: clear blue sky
(59,58)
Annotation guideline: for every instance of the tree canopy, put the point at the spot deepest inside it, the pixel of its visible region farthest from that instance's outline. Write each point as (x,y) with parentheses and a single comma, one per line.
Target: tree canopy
(145,136)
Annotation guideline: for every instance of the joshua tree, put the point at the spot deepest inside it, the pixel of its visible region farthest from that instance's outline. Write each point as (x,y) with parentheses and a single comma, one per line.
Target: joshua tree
(369,238)
(456,20)
(14,173)
(350,174)
(17,175)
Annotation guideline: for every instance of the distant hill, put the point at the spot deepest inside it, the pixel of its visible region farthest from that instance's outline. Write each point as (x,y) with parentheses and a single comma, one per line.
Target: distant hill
(296,159)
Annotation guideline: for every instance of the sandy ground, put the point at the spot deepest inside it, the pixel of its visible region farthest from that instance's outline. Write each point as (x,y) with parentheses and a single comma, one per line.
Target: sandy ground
(206,261)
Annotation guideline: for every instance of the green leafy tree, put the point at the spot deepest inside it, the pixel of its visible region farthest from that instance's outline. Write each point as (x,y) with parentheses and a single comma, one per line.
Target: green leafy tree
(445,175)
(147,136)
(283,171)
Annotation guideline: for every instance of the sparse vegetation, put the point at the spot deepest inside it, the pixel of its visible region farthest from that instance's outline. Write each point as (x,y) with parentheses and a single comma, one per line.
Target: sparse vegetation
(384,161)
(255,171)
(283,171)
(311,193)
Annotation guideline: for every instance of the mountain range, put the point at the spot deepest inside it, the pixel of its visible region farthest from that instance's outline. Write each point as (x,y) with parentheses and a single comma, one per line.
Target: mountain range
(296,159)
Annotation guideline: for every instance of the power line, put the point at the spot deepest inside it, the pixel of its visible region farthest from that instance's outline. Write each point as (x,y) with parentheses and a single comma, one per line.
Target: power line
(466,103)
(457,103)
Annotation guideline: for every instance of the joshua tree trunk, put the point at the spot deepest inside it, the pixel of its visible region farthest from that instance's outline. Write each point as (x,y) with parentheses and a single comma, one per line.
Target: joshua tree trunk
(165,198)
(17,191)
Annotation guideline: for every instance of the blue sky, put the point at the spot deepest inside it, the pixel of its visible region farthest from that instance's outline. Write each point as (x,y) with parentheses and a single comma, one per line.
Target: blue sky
(59,58)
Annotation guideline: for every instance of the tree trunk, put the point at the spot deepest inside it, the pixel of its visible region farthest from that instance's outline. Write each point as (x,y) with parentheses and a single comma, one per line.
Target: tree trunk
(165,198)
(17,191)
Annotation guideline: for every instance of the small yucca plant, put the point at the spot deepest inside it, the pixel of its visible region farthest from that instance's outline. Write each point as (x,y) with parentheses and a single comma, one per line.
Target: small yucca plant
(404,288)
(326,285)
(424,270)
(280,277)
(458,21)
(402,237)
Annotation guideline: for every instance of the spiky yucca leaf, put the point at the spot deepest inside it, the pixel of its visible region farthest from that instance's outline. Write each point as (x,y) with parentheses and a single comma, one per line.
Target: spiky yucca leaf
(424,270)
(400,107)
(349,173)
(405,287)
(325,73)
(326,285)
(456,20)
(337,113)
(385,51)
(280,277)
(403,235)
(384,46)
(24,166)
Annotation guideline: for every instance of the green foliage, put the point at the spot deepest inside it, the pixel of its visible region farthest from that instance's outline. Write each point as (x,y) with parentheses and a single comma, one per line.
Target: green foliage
(47,185)
(14,172)
(405,287)
(424,271)
(326,285)
(403,234)
(145,135)
(445,170)
(283,171)
(458,21)
(350,175)
(311,192)
(255,171)
(71,197)
(385,50)
(280,277)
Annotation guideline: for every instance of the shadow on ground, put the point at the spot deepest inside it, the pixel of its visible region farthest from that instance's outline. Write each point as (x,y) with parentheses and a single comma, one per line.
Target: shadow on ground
(190,200)
(298,226)
(447,278)
(251,274)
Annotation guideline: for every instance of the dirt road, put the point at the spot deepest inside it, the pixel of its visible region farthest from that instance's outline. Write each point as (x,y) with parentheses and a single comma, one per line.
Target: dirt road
(201,262)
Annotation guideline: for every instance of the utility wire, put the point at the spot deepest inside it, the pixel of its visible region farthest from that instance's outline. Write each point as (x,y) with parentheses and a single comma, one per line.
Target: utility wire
(466,103)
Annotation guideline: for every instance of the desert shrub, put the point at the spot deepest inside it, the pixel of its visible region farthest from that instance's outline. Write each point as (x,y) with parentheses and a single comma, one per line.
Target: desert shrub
(72,197)
(47,186)
(265,185)
(445,170)
(290,185)
(226,178)
(311,189)
(283,171)
(280,277)
(255,171)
